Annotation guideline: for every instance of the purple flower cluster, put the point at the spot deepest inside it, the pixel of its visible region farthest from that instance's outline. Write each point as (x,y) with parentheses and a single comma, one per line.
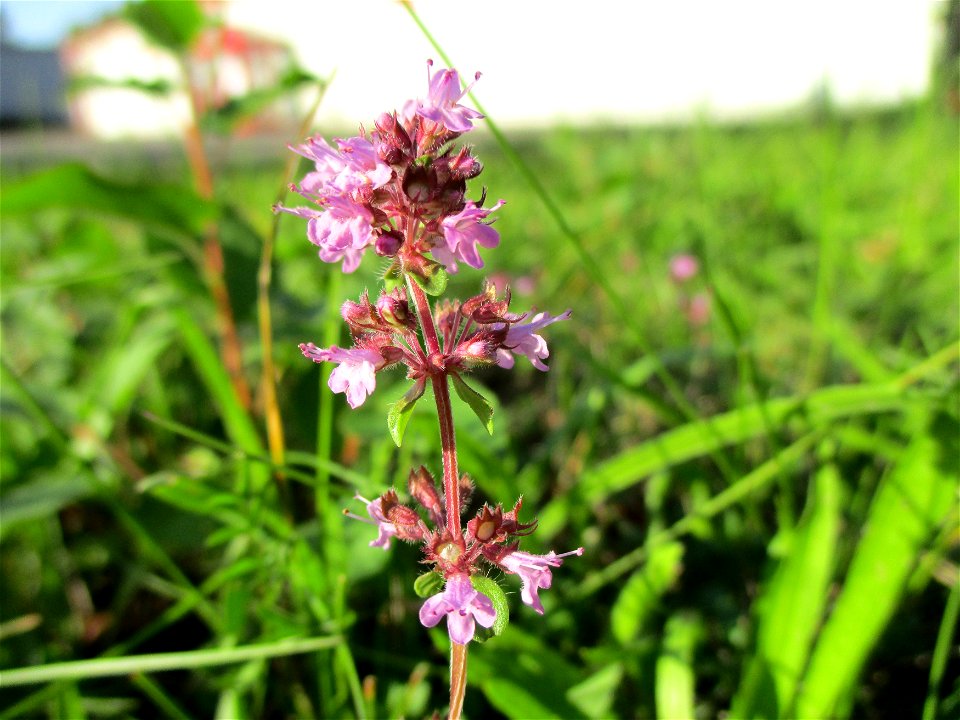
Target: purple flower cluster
(491,536)
(366,190)
(401,190)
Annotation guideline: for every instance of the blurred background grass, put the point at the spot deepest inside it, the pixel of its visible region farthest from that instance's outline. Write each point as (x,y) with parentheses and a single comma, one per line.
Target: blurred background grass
(765,488)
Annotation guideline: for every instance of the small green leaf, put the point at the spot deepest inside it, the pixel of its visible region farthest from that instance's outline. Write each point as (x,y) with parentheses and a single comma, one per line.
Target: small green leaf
(428,584)
(477,402)
(431,276)
(400,411)
(393,276)
(173,25)
(483,584)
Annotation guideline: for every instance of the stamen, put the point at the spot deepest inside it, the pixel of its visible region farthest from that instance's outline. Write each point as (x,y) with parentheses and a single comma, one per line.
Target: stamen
(354,516)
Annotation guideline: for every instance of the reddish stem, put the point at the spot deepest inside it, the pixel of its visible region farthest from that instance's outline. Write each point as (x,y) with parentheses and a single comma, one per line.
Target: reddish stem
(441,391)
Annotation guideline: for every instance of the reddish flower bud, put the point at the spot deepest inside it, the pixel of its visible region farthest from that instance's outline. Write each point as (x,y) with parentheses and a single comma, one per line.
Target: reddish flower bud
(463,166)
(465,489)
(486,527)
(359,315)
(513,526)
(388,243)
(423,489)
(404,519)
(419,184)
(394,309)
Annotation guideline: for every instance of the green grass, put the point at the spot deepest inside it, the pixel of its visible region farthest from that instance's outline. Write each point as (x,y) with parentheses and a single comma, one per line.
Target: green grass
(767,500)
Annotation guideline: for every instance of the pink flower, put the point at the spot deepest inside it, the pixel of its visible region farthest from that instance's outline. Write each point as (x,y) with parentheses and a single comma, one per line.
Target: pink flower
(386,529)
(356,375)
(523,340)
(683,267)
(442,103)
(342,171)
(341,231)
(462,233)
(534,572)
(462,605)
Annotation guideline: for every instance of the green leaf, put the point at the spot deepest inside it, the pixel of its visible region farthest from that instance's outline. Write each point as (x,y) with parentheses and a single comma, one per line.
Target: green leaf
(643,590)
(393,276)
(788,620)
(477,402)
(237,109)
(400,411)
(74,187)
(431,277)
(428,584)
(594,696)
(490,588)
(41,498)
(675,678)
(912,501)
(173,25)
(155,88)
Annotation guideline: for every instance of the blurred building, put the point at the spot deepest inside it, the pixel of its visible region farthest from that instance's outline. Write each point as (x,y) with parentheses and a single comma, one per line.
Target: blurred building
(31,87)
(124,86)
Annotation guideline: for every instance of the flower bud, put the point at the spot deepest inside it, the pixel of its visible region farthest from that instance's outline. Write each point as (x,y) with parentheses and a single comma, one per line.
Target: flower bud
(463,166)
(358,315)
(388,243)
(423,489)
(395,310)
(418,184)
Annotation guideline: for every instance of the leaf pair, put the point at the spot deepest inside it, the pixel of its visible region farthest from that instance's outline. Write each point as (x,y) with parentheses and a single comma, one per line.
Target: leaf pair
(400,411)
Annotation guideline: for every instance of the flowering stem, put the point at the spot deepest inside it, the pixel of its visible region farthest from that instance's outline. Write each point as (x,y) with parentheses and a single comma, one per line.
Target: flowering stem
(441,391)
(451,477)
(458,679)
(448,442)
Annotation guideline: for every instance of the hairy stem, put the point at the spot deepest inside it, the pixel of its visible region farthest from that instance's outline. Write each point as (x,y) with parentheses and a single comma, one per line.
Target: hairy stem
(451,475)
(458,679)
(448,442)
(441,391)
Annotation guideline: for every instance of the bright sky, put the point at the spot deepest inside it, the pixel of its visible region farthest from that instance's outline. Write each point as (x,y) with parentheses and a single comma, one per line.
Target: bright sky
(615,60)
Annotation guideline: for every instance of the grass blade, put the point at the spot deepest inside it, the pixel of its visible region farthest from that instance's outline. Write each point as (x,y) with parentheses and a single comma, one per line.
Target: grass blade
(910,503)
(675,678)
(160,662)
(792,605)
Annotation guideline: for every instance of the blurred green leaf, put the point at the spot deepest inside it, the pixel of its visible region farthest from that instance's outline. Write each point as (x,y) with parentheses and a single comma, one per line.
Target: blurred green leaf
(224,118)
(911,502)
(173,24)
(40,498)
(790,609)
(594,696)
(697,439)
(676,679)
(641,593)
(173,208)
(158,88)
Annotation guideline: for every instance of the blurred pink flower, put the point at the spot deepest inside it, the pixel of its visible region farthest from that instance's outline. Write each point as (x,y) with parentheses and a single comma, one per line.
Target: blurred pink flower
(698,309)
(683,267)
